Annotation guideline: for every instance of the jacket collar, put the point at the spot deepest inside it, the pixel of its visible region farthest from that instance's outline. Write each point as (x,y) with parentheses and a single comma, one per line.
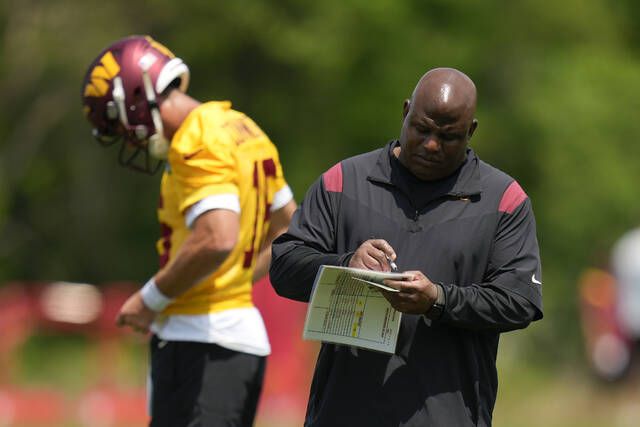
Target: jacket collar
(466,183)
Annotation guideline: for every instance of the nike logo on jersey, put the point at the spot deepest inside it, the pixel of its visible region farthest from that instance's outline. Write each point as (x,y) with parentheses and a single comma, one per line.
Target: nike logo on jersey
(534,280)
(190,155)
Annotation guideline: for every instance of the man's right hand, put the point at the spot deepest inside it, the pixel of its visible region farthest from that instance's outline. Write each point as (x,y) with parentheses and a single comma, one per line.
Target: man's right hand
(135,314)
(372,255)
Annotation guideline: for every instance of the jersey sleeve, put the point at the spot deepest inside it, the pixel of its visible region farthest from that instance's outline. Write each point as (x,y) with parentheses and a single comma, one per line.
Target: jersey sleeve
(203,166)
(283,193)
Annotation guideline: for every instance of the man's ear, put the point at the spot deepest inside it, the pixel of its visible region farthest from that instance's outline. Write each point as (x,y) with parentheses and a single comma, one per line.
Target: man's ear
(405,108)
(472,128)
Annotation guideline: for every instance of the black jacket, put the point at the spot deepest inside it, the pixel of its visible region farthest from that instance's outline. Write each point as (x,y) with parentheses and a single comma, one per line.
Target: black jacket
(474,232)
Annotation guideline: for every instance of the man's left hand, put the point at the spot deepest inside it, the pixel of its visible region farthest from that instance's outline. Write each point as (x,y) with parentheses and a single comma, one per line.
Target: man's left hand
(135,314)
(417,293)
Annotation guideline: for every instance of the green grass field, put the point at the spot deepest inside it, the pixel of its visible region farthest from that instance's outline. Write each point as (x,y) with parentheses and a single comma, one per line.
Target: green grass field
(564,396)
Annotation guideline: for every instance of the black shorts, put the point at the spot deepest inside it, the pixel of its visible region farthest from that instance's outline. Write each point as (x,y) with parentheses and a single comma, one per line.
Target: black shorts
(203,385)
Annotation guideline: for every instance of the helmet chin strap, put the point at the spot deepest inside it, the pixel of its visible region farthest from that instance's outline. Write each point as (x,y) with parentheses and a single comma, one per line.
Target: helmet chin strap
(158,145)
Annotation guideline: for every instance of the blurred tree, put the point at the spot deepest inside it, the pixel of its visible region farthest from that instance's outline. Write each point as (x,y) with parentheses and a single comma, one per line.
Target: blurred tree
(557,98)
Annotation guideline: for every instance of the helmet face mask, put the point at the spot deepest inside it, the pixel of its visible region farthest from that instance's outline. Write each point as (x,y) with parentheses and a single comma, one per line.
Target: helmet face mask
(136,157)
(120,92)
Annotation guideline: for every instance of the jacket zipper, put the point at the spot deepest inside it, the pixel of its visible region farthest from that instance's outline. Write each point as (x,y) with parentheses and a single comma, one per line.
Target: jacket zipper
(416,212)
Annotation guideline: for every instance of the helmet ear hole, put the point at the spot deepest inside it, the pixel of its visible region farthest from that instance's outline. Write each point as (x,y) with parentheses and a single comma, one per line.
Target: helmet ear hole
(137,92)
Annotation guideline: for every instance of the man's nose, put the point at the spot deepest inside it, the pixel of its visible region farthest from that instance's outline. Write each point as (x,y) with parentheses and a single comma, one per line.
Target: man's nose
(431,143)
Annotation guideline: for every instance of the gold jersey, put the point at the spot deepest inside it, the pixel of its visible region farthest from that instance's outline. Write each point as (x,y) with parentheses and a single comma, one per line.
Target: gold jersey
(218,151)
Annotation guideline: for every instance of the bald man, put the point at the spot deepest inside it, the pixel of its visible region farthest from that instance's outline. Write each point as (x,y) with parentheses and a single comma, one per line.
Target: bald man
(464,234)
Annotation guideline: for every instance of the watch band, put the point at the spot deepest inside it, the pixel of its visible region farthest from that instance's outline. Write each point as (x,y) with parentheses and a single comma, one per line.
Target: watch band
(436,310)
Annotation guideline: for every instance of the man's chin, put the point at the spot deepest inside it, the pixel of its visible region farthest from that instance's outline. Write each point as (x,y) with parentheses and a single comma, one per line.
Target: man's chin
(431,174)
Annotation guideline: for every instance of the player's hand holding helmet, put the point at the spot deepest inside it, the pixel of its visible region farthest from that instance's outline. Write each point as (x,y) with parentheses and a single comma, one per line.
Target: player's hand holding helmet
(120,95)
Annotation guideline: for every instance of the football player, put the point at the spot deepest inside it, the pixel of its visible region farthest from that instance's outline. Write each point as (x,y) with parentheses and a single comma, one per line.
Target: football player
(223,199)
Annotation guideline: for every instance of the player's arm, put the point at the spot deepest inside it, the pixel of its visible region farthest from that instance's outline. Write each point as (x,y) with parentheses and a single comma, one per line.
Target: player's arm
(280,220)
(214,234)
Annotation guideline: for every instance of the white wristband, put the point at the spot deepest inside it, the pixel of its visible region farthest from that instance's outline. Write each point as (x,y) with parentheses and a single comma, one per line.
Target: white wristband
(152,297)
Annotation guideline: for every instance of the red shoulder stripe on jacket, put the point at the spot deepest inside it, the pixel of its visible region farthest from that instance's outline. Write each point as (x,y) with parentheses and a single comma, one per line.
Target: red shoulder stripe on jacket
(332,179)
(513,196)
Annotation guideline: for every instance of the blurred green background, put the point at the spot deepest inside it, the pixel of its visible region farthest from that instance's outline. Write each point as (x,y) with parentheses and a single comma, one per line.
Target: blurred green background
(559,96)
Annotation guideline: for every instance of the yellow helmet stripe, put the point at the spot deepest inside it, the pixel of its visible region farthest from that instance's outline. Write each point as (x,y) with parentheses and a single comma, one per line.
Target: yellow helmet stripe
(101,74)
(160,47)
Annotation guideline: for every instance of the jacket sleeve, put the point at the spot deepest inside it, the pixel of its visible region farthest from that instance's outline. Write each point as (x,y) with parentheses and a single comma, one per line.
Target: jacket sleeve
(308,244)
(510,296)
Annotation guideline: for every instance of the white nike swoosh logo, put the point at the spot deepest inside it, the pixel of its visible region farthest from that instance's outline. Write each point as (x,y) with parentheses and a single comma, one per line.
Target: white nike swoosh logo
(534,280)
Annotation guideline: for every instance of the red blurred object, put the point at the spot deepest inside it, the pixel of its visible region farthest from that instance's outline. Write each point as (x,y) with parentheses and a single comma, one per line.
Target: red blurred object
(607,346)
(290,365)
(16,324)
(66,308)
(31,407)
(109,406)
(74,308)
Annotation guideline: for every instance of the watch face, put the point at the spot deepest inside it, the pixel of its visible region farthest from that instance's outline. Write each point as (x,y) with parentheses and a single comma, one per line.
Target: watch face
(434,312)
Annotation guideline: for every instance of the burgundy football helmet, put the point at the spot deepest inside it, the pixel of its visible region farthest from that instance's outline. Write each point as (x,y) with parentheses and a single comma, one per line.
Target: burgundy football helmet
(119,97)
